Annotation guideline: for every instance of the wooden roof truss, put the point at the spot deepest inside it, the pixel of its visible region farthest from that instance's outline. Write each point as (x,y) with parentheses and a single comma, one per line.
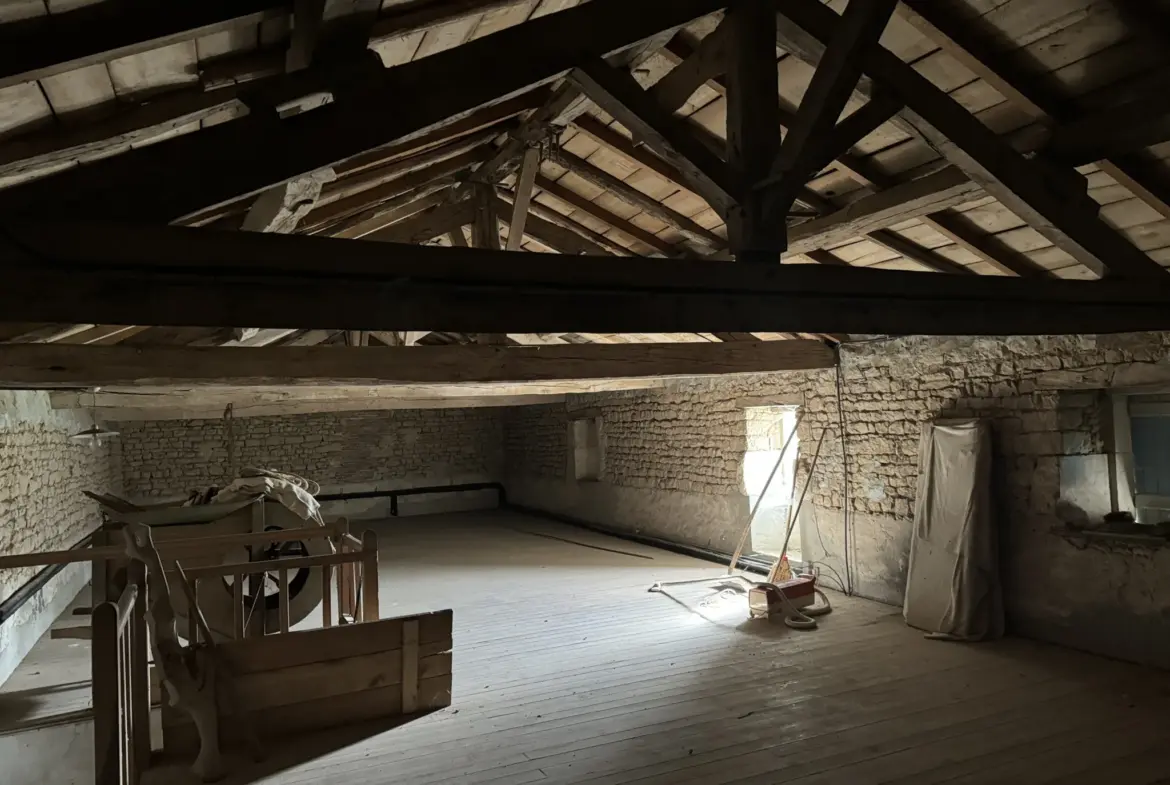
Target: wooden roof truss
(522,152)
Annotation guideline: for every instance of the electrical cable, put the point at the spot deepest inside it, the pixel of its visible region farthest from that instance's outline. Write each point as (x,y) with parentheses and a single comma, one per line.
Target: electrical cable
(846,518)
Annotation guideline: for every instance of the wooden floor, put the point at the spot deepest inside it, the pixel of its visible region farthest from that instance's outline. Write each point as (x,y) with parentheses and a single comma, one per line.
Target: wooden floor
(567,670)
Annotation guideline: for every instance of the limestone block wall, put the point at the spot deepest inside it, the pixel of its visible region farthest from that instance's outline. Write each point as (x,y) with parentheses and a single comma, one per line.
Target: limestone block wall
(42,476)
(673,463)
(344,452)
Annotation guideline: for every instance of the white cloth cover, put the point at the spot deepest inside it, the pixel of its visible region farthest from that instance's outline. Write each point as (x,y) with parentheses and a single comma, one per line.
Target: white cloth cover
(953,589)
(292,496)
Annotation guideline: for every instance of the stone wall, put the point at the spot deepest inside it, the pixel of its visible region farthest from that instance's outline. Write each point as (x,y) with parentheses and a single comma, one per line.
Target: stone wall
(673,469)
(344,452)
(42,476)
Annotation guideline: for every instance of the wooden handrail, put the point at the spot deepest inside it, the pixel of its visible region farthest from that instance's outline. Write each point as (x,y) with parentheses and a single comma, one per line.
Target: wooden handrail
(169,550)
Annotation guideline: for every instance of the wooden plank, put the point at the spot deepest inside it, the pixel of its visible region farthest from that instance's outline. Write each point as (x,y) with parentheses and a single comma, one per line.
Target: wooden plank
(55,43)
(631,195)
(414,667)
(523,198)
(299,684)
(964,233)
(700,66)
(911,250)
(1069,220)
(108,762)
(753,127)
(631,230)
(117,365)
(428,225)
(854,36)
(617,92)
(253,154)
(306,647)
(948,187)
(282,608)
(398,209)
(380,703)
(548,233)
(366,203)
(369,586)
(609,246)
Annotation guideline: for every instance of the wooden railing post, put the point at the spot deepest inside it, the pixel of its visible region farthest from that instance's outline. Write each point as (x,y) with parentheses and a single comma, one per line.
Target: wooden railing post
(106,684)
(369,576)
(139,671)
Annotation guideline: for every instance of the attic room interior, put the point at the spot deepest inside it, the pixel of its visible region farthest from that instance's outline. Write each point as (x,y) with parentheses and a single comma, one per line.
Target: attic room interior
(841,455)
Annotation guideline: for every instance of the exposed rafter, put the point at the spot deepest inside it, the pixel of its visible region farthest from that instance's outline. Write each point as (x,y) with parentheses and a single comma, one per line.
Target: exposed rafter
(55,43)
(253,153)
(846,51)
(966,42)
(596,211)
(523,197)
(631,195)
(707,61)
(619,95)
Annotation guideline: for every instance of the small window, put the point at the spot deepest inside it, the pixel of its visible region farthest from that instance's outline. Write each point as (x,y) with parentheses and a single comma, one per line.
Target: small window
(586,439)
(1149,422)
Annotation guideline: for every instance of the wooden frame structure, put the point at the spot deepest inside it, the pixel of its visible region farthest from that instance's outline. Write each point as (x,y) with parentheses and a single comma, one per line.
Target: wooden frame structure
(121,699)
(122,691)
(410,176)
(608,129)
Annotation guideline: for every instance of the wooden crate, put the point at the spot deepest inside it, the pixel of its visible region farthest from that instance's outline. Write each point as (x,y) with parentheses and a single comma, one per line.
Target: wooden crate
(317,679)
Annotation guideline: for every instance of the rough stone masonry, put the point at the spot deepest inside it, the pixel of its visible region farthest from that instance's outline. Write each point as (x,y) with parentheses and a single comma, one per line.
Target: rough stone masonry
(673,469)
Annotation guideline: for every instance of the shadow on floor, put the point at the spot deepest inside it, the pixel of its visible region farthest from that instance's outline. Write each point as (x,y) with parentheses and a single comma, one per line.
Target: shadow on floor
(279,755)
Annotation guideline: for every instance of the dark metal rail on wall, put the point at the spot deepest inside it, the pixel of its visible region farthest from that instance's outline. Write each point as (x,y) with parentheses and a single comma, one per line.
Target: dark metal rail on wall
(393,495)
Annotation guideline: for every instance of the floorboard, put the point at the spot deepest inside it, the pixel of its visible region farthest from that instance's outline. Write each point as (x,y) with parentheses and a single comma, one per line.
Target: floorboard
(567,670)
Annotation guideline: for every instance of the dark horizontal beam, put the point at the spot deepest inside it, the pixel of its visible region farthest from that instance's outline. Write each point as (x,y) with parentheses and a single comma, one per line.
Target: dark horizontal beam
(120,366)
(1112,132)
(55,43)
(117,274)
(168,180)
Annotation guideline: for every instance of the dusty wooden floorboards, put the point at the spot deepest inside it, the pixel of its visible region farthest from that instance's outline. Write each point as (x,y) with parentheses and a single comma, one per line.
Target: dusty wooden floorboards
(568,671)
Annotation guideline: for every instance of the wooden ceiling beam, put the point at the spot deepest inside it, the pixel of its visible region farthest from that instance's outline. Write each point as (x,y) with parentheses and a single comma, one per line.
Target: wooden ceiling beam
(254,153)
(398,209)
(979,52)
(753,127)
(596,211)
(1115,131)
(565,104)
(522,197)
(915,252)
(55,43)
(699,66)
(485,218)
(343,202)
(115,366)
(548,233)
(619,95)
(853,37)
(945,188)
(118,274)
(427,225)
(243,406)
(853,128)
(611,246)
(632,196)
